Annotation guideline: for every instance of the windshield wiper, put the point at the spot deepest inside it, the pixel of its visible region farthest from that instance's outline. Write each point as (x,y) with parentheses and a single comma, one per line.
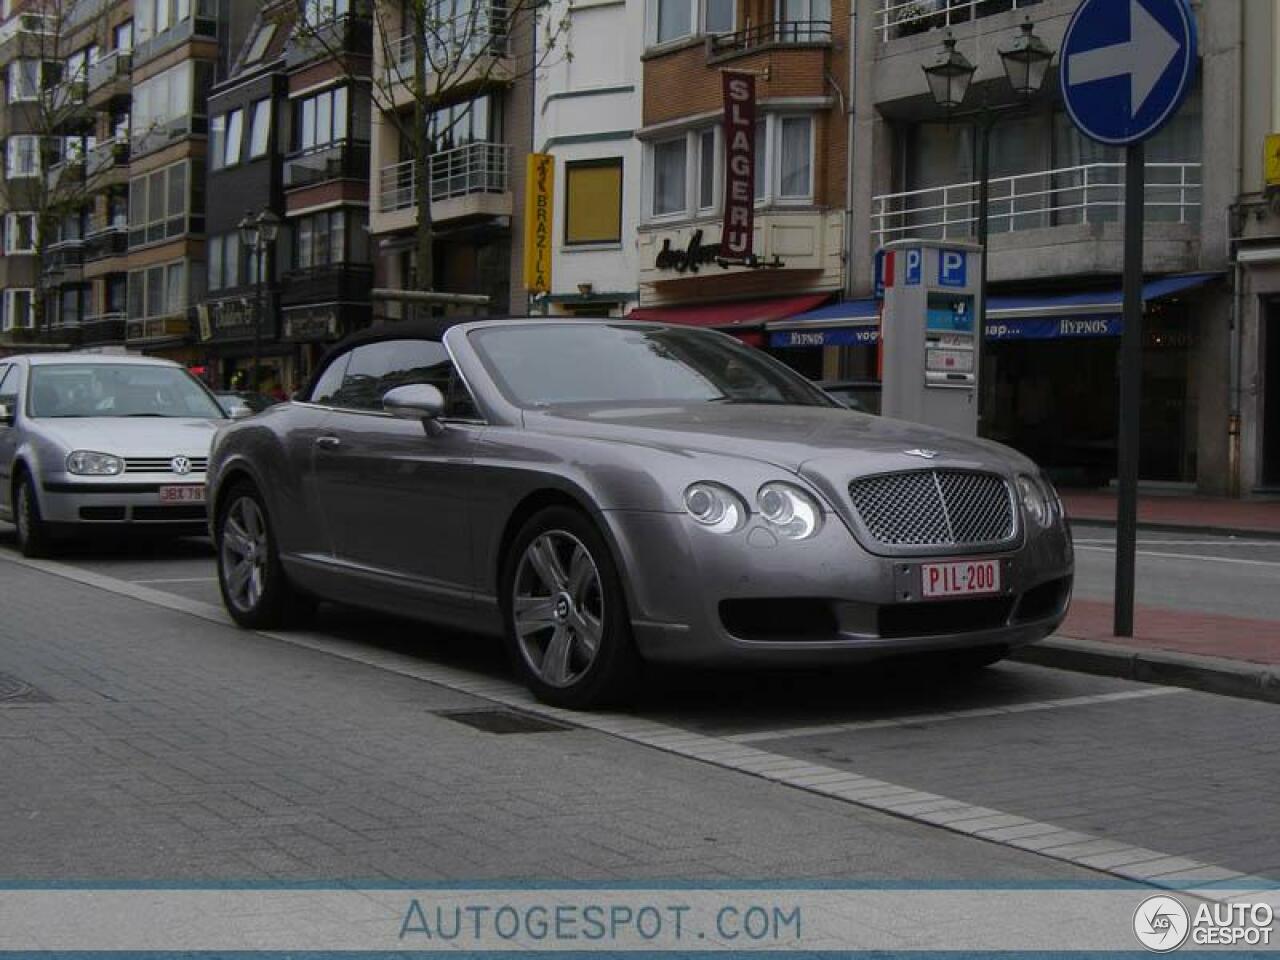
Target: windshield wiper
(145,415)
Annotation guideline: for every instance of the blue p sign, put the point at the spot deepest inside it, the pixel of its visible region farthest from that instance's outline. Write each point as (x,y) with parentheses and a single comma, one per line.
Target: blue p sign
(953,268)
(915,263)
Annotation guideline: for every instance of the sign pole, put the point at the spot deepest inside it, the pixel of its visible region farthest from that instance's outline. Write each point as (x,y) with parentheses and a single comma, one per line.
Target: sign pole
(1130,388)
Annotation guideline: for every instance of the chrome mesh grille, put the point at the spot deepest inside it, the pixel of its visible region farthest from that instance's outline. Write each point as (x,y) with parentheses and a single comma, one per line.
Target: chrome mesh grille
(162,464)
(935,508)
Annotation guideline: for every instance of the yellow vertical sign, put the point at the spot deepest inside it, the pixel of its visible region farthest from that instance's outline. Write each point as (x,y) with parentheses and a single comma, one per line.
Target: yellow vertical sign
(1273,160)
(540,177)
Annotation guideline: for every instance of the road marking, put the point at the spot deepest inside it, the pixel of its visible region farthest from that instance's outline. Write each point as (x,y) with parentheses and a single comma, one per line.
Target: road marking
(1274,544)
(856,726)
(1160,555)
(994,826)
(179,580)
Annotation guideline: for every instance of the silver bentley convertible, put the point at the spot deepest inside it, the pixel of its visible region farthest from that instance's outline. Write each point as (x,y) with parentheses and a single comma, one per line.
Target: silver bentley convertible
(603,493)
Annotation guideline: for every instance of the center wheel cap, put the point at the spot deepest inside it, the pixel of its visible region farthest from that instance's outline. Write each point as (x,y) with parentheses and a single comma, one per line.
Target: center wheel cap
(564,606)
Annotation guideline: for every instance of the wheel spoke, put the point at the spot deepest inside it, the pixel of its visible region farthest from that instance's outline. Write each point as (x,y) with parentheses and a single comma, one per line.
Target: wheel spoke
(588,628)
(238,578)
(546,563)
(235,539)
(249,515)
(533,614)
(555,662)
(582,573)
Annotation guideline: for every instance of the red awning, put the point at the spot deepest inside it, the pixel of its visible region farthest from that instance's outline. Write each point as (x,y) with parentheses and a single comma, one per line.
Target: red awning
(742,315)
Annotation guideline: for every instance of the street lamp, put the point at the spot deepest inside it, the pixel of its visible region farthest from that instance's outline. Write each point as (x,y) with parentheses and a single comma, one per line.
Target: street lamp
(1026,61)
(257,234)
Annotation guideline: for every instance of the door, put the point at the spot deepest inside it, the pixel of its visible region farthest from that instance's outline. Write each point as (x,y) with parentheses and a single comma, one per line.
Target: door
(395,498)
(1271,397)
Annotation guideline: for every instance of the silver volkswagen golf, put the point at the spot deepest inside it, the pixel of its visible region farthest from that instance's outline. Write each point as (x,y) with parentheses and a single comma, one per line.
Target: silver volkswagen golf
(88,440)
(607,492)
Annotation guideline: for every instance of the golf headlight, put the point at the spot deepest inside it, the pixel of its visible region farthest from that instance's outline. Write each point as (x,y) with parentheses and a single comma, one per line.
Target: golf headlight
(90,464)
(714,506)
(1033,500)
(789,510)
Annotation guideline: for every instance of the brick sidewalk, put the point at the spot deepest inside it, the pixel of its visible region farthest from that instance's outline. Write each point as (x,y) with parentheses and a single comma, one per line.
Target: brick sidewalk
(1209,513)
(1181,631)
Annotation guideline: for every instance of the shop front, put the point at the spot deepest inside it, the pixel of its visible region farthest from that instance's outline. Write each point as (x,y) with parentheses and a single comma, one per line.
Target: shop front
(228,329)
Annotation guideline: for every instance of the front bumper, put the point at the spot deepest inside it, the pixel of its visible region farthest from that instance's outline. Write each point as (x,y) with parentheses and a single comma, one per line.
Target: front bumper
(750,597)
(66,500)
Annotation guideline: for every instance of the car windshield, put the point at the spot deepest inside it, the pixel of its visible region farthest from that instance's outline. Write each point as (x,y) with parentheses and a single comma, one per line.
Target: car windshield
(117,390)
(551,364)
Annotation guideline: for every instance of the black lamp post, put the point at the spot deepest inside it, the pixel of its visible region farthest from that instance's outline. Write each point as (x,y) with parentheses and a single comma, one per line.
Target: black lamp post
(257,234)
(1026,61)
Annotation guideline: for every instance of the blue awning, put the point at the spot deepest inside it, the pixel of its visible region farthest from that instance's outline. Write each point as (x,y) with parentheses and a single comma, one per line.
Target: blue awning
(1026,317)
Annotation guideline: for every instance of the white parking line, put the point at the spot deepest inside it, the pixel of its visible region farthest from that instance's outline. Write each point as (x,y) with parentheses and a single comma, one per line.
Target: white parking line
(180,580)
(995,826)
(1191,543)
(1199,558)
(855,726)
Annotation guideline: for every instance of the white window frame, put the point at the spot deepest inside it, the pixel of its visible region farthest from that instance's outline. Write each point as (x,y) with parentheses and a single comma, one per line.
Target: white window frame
(260,149)
(234,144)
(10,296)
(651,174)
(15,88)
(11,170)
(11,233)
(773,193)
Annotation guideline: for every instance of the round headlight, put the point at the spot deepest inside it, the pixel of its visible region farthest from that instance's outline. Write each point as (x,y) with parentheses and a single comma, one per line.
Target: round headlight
(1033,500)
(714,506)
(1052,496)
(789,510)
(90,464)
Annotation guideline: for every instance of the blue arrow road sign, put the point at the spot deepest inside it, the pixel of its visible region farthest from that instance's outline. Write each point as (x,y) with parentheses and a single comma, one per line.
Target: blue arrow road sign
(1126,66)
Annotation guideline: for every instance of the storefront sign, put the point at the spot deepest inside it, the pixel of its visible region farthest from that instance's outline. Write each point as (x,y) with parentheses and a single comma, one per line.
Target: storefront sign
(697,254)
(540,177)
(1037,328)
(835,337)
(739,164)
(309,325)
(226,319)
(1273,160)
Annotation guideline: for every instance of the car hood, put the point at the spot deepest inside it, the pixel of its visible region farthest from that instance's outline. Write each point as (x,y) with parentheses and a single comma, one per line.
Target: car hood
(806,440)
(132,436)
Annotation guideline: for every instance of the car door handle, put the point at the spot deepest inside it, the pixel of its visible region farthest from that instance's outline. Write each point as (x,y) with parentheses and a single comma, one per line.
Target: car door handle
(328,443)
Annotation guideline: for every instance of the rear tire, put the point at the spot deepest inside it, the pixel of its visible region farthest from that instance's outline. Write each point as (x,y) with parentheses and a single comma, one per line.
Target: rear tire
(568,631)
(34,538)
(255,589)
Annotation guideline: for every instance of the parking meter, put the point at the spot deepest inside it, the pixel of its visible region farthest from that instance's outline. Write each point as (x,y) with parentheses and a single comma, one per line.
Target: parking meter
(929,333)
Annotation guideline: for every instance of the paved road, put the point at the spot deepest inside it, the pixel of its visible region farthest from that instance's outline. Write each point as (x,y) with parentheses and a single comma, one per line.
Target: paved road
(162,744)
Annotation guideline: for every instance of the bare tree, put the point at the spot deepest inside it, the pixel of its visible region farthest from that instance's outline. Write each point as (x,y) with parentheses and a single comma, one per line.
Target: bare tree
(433,52)
(54,177)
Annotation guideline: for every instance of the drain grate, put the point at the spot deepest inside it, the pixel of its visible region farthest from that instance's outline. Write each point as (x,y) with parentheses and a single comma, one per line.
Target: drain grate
(14,690)
(503,721)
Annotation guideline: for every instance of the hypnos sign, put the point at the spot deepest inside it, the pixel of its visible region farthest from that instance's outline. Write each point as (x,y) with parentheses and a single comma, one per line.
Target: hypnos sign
(1052,328)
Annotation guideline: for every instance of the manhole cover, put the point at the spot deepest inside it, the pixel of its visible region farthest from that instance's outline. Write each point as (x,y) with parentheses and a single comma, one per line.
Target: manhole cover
(503,721)
(14,690)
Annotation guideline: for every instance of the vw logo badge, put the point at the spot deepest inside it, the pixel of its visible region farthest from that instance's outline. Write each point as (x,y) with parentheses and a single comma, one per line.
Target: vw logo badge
(180,465)
(922,454)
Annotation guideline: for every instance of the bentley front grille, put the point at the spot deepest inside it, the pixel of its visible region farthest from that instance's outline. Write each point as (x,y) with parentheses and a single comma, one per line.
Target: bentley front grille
(936,508)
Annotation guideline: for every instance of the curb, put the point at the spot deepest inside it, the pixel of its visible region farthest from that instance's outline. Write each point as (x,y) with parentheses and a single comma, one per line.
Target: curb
(1243,532)
(1228,678)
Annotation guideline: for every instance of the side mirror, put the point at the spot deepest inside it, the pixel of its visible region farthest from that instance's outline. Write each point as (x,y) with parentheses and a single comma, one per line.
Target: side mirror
(414,401)
(6,415)
(240,413)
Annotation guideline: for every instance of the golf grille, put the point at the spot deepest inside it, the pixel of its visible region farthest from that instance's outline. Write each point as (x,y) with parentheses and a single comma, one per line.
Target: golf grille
(935,508)
(162,464)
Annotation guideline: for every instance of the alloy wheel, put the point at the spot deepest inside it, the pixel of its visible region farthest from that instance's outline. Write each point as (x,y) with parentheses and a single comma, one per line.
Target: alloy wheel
(558,608)
(244,554)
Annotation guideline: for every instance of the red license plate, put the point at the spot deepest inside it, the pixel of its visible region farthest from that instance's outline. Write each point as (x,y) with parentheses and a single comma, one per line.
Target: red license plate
(185,493)
(962,578)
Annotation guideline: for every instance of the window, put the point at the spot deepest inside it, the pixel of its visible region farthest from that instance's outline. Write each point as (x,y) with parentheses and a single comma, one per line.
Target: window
(157,291)
(123,37)
(163,100)
(707,170)
(320,239)
(217,141)
(160,202)
(22,156)
(317,12)
(330,382)
(20,233)
(718,16)
(235,133)
(669,177)
(593,202)
(224,261)
(19,309)
(322,119)
(260,130)
(676,19)
(24,80)
(375,368)
(260,41)
(795,158)
(154,17)
(471,121)
(77,67)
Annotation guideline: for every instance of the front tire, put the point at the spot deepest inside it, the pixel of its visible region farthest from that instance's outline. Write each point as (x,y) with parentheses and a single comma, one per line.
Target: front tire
(567,627)
(254,587)
(34,539)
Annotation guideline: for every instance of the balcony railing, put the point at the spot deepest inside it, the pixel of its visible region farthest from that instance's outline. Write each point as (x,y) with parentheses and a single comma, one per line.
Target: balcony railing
(901,18)
(346,159)
(1093,193)
(202,23)
(346,282)
(160,135)
(451,42)
(474,168)
(103,328)
(111,240)
(117,63)
(71,170)
(63,255)
(106,155)
(349,33)
(785,32)
(32,24)
(157,328)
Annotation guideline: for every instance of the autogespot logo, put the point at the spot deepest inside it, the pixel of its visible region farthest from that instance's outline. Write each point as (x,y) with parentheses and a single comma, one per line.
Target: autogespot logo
(1161,924)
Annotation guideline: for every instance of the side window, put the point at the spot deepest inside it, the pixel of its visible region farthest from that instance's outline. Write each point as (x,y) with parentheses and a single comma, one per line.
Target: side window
(376,368)
(330,383)
(459,404)
(9,378)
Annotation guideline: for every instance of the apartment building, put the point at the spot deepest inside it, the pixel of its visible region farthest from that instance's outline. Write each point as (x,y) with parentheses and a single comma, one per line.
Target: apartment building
(479,59)
(587,110)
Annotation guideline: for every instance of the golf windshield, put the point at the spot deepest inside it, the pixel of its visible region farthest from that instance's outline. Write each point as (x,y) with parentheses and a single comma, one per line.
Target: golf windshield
(117,390)
(550,364)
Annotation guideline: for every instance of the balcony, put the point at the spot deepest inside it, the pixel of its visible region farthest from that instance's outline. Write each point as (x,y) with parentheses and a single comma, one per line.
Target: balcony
(904,18)
(468,45)
(65,174)
(468,181)
(155,329)
(25,35)
(161,135)
(111,155)
(350,34)
(332,283)
(344,160)
(106,241)
(203,25)
(767,36)
(109,77)
(63,260)
(102,328)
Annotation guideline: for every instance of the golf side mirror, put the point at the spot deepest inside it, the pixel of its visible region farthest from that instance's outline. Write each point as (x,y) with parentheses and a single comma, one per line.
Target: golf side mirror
(6,415)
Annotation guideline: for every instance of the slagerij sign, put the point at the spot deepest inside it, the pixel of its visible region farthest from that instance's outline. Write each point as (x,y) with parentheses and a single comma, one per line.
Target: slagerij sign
(739,164)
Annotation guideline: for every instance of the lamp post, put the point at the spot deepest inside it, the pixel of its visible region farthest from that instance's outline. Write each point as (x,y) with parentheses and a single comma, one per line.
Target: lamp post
(257,234)
(1026,61)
